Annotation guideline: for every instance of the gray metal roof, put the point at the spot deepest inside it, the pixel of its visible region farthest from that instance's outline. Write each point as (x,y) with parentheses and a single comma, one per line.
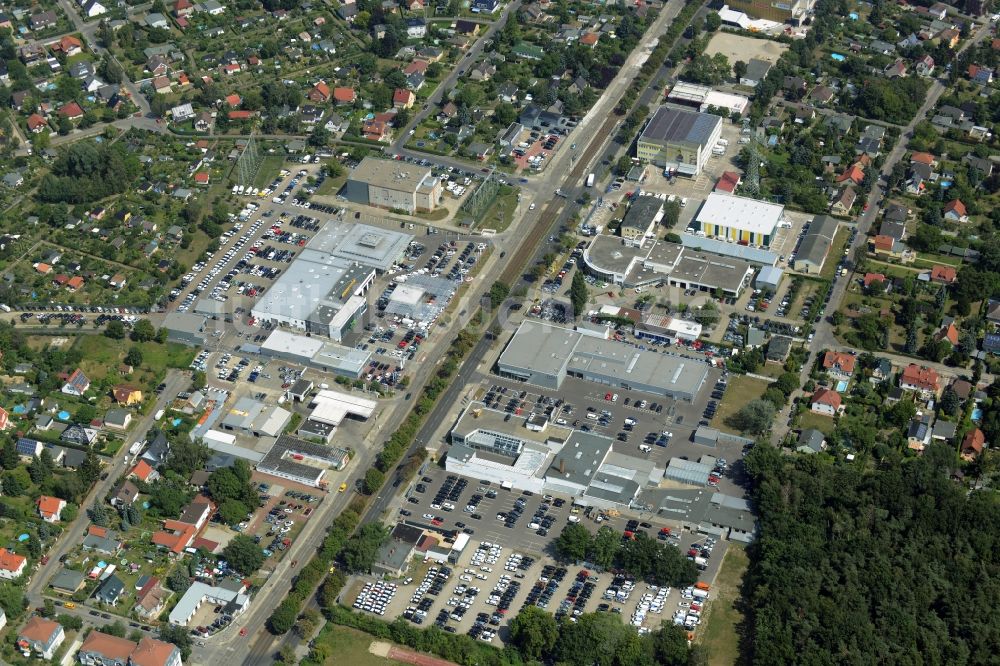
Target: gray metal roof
(579,459)
(540,347)
(688,471)
(672,125)
(745,252)
(641,212)
(818,240)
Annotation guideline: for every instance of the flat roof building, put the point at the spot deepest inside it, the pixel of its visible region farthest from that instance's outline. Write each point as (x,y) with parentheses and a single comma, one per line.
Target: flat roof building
(663,328)
(185,328)
(544,354)
(768,278)
(679,140)
(301,461)
(320,354)
(688,472)
(755,255)
(644,213)
(612,259)
(234,601)
(393,184)
(815,245)
(704,511)
(703,97)
(738,219)
(253,417)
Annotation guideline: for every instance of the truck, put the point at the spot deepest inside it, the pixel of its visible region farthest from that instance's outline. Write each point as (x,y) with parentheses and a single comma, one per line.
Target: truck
(699,594)
(158,415)
(701,563)
(590,180)
(4,307)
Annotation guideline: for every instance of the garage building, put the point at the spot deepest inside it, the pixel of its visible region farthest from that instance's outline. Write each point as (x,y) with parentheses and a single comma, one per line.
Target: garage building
(815,245)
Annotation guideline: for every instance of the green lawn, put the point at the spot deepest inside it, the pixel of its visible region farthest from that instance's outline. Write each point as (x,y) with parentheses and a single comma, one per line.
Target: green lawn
(269,168)
(719,634)
(741,390)
(102,355)
(836,253)
(500,213)
(343,645)
(811,420)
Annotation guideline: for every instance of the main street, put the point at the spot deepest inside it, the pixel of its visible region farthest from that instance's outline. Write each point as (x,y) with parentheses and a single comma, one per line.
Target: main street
(823,337)
(519,242)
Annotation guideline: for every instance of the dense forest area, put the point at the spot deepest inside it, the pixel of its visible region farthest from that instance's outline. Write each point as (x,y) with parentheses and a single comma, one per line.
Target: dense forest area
(896,564)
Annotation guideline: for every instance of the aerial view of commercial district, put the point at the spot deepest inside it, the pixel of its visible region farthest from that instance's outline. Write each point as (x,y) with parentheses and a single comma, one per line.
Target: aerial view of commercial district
(494,333)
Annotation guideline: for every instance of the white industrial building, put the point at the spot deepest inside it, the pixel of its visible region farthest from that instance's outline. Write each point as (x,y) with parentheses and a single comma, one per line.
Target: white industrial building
(323,292)
(703,98)
(253,417)
(315,352)
(738,219)
(664,328)
(393,184)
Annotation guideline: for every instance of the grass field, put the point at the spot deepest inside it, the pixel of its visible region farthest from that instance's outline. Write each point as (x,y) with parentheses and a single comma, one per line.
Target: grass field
(500,213)
(836,253)
(741,390)
(343,645)
(812,420)
(719,635)
(102,355)
(269,168)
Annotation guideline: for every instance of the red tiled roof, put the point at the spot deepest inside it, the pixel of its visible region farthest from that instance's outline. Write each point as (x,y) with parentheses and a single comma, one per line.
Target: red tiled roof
(234,100)
(71,110)
(322,89)
(39,629)
(401,96)
(49,506)
(342,94)
(855,173)
(872,277)
(35,121)
(943,273)
(11,561)
(151,652)
(827,397)
(923,158)
(974,441)
(240,115)
(919,376)
(94,530)
(415,67)
(142,470)
(728,182)
(201,177)
(845,362)
(589,39)
(957,206)
(108,646)
(884,243)
(949,333)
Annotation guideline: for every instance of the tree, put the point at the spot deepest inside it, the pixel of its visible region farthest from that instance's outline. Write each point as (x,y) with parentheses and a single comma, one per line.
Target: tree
(283,617)
(498,293)
(178,580)
(98,515)
(116,628)
(186,456)
(754,418)
(374,478)
(573,542)
(603,547)
(115,330)
(8,456)
(134,357)
(179,636)
(243,554)
(308,623)
(232,511)
(534,633)
(168,497)
(739,69)
(143,331)
(361,549)
(578,293)
(713,22)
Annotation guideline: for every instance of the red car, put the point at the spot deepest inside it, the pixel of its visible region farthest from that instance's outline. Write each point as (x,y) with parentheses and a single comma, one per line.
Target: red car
(607,396)
(243,631)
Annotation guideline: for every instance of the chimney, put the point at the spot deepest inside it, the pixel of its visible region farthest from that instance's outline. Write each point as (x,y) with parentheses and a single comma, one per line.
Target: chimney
(562,465)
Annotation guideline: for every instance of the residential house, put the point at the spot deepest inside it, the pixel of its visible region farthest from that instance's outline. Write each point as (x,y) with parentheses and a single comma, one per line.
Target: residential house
(886,246)
(101,649)
(944,431)
(920,379)
(924,66)
(94,8)
(778,348)
(40,636)
(882,371)
(826,402)
(795,85)
(126,494)
(872,278)
(102,540)
(11,564)
(416,67)
(973,444)
(71,111)
(403,98)
(126,395)
(943,274)
(507,92)
(36,123)
(839,364)
(589,39)
(811,441)
(485,6)
(79,435)
(320,93)
(416,28)
(344,95)
(416,81)
(983,165)
(77,383)
(117,419)
(896,70)
(855,174)
(156,20)
(756,71)
(822,95)
(464,27)
(954,211)
(484,71)
(110,590)
(68,581)
(144,472)
(43,20)
(50,508)
(844,201)
(918,433)
(152,652)
(948,333)
(150,599)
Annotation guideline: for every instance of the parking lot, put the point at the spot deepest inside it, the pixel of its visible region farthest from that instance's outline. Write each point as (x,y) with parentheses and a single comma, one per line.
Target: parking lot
(508,563)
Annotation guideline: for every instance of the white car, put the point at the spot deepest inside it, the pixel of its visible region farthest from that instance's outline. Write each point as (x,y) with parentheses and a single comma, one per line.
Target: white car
(531,207)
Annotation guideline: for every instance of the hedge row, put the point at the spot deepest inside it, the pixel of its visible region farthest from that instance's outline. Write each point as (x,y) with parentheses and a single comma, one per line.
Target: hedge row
(459,648)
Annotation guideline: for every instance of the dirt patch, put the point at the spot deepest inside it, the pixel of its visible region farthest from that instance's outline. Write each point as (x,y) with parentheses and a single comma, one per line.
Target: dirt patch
(416,658)
(737,47)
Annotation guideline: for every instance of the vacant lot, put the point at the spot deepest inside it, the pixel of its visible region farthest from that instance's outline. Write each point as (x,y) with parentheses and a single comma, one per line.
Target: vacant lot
(737,47)
(741,390)
(822,423)
(343,645)
(719,635)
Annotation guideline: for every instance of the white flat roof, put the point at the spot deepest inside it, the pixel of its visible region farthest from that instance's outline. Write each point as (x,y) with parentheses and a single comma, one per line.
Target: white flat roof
(281,341)
(742,213)
(332,407)
(219,437)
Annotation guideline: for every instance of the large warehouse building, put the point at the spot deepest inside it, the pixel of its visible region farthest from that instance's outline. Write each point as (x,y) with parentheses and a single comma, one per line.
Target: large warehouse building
(703,97)
(321,354)
(393,185)
(815,245)
(630,265)
(544,354)
(679,140)
(323,292)
(738,219)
